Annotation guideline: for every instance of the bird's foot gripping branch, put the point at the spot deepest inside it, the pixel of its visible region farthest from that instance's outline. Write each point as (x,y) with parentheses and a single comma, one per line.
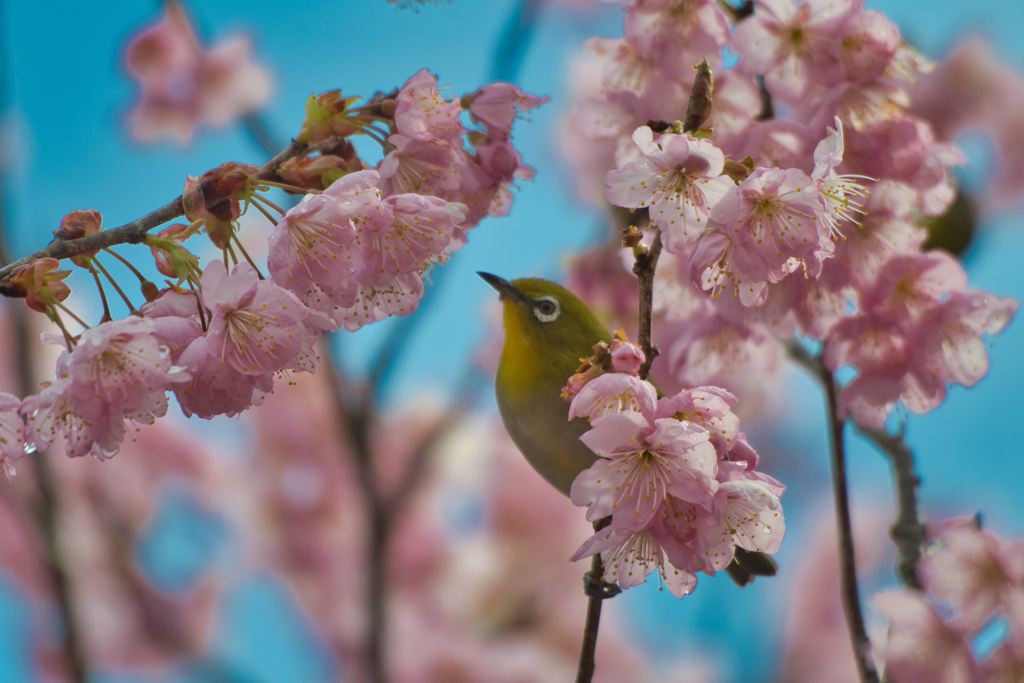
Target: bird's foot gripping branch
(355,250)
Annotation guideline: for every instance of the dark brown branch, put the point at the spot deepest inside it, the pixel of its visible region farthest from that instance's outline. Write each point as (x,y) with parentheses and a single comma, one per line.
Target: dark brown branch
(597,591)
(847,561)
(907,531)
(135,232)
(644,270)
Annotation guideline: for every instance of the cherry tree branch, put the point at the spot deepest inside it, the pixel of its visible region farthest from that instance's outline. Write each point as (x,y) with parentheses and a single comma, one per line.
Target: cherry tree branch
(136,231)
(907,531)
(643,268)
(847,561)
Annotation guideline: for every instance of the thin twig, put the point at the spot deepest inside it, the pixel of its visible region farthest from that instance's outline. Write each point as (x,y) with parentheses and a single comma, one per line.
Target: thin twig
(907,531)
(644,270)
(847,561)
(135,232)
(597,591)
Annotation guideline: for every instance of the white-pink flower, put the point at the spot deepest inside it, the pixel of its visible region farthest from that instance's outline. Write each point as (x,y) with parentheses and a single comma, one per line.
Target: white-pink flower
(12,433)
(117,371)
(777,221)
(614,392)
(421,113)
(792,45)
(629,557)
(416,230)
(680,182)
(641,462)
(709,407)
(184,86)
(920,647)
(976,571)
(839,194)
(495,107)
(255,326)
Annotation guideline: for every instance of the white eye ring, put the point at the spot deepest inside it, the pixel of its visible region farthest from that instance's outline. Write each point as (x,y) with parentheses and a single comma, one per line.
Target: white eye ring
(552,309)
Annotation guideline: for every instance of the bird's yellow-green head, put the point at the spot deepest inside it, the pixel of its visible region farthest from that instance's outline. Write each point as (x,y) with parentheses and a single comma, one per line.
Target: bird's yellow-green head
(548,331)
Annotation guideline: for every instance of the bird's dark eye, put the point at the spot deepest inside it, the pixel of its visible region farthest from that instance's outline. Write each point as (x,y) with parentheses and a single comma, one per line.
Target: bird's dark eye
(546,309)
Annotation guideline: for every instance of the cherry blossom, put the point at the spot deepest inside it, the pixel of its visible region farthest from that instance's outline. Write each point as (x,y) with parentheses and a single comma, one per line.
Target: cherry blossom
(421,113)
(792,44)
(640,463)
(680,180)
(920,648)
(495,106)
(185,86)
(12,433)
(976,571)
(255,325)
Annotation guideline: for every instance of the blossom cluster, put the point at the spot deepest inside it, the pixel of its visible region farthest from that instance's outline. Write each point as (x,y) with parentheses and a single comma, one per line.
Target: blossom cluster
(675,476)
(808,224)
(184,86)
(355,250)
(974,577)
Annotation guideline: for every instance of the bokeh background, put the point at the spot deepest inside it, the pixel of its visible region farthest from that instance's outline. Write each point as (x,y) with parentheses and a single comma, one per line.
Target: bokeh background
(64,98)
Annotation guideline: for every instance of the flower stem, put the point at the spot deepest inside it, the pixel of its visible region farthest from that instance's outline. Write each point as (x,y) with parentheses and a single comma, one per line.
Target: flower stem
(72,314)
(259,198)
(907,531)
(103,296)
(113,282)
(248,258)
(127,264)
(263,211)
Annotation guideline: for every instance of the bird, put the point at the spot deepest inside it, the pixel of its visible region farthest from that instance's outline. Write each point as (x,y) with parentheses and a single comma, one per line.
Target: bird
(548,332)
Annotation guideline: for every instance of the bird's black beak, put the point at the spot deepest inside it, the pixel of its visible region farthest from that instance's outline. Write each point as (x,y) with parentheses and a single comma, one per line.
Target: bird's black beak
(503,286)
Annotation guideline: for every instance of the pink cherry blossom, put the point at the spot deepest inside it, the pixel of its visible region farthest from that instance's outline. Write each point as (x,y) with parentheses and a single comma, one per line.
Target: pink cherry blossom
(256,326)
(713,268)
(911,285)
(624,67)
(639,464)
(422,166)
(629,557)
(921,648)
(422,114)
(12,433)
(217,388)
(709,407)
(312,243)
(839,194)
(680,180)
(184,86)
(792,44)
(117,371)
(976,571)
(676,34)
(420,229)
(626,357)
(495,107)
(777,221)
(399,295)
(886,230)
(904,149)
(612,393)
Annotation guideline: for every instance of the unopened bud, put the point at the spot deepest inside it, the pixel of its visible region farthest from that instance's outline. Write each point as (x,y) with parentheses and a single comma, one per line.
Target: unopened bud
(738,170)
(150,290)
(698,109)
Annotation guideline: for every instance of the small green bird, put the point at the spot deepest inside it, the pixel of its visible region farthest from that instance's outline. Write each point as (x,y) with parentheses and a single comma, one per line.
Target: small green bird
(548,331)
